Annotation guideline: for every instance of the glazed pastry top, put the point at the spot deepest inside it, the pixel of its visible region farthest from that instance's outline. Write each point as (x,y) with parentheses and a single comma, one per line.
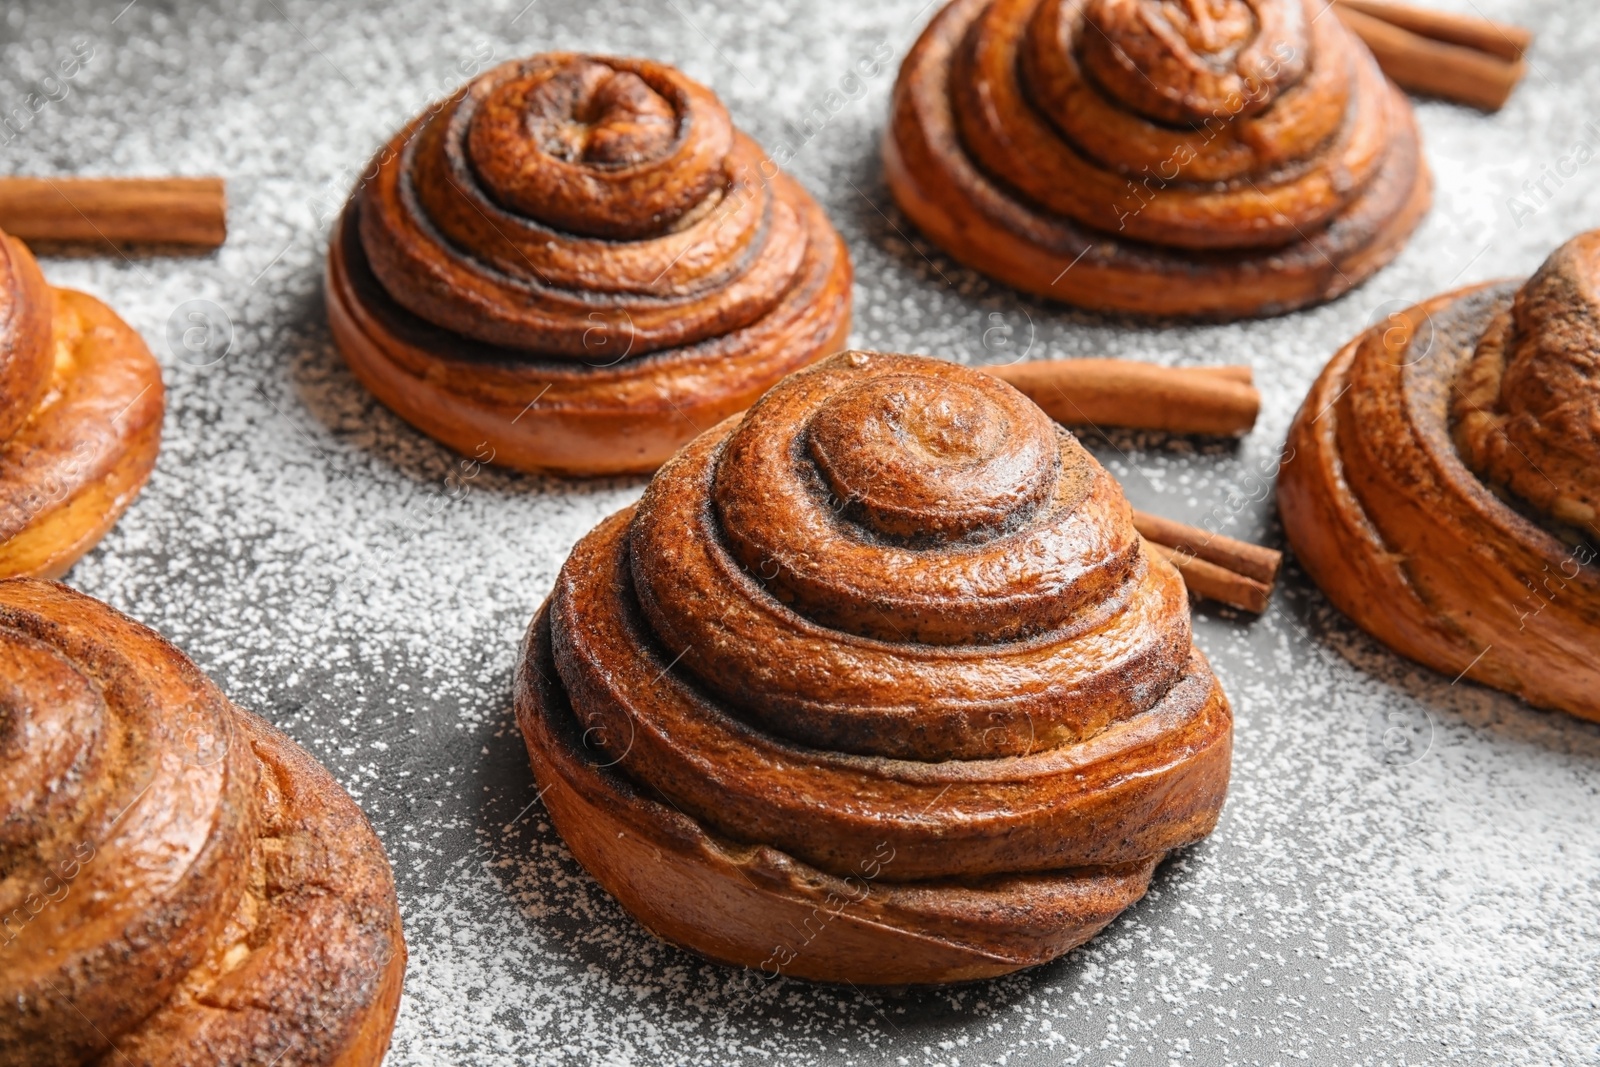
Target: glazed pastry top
(26,354)
(1201,124)
(180,884)
(583,209)
(904,558)
(895,605)
(122,804)
(1527,409)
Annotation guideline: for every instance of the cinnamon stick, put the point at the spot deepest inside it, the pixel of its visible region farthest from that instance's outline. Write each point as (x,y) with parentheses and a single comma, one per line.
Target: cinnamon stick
(1433,67)
(1480,34)
(1214,567)
(1211,582)
(1142,396)
(182,211)
(1256,562)
(1233,372)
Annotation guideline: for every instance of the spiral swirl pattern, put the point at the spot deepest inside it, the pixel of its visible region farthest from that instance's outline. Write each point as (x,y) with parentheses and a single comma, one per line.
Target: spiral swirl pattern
(1444,498)
(579,260)
(893,611)
(179,883)
(81,405)
(1176,157)
(1527,416)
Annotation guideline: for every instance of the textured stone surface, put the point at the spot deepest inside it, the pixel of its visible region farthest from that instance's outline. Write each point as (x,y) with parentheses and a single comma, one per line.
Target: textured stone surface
(1406,869)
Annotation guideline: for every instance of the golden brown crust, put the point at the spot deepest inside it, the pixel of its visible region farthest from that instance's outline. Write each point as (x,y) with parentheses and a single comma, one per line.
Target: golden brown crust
(1402,495)
(577,264)
(1527,414)
(1220,160)
(973,720)
(26,355)
(83,400)
(181,883)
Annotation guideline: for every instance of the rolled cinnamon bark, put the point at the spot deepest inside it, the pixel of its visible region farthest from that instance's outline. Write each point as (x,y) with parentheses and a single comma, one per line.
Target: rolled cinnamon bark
(183,211)
(1255,562)
(1502,39)
(1432,67)
(1141,396)
(1211,581)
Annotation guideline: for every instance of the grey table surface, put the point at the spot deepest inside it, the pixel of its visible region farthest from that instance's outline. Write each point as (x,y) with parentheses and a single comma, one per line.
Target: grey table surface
(1406,870)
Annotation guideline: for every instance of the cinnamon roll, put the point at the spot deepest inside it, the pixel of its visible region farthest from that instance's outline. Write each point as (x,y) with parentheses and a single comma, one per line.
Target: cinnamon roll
(1446,475)
(576,264)
(180,884)
(1210,158)
(875,684)
(81,403)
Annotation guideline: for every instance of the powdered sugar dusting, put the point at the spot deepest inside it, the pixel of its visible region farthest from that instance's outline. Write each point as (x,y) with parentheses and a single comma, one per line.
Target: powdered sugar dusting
(1405,872)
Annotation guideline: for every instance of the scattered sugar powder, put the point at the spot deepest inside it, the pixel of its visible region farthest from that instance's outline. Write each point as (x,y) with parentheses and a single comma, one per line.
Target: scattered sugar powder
(1406,869)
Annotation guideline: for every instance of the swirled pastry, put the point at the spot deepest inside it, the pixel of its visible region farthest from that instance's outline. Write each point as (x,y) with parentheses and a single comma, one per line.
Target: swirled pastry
(1445,480)
(577,264)
(81,402)
(180,884)
(1214,158)
(875,684)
